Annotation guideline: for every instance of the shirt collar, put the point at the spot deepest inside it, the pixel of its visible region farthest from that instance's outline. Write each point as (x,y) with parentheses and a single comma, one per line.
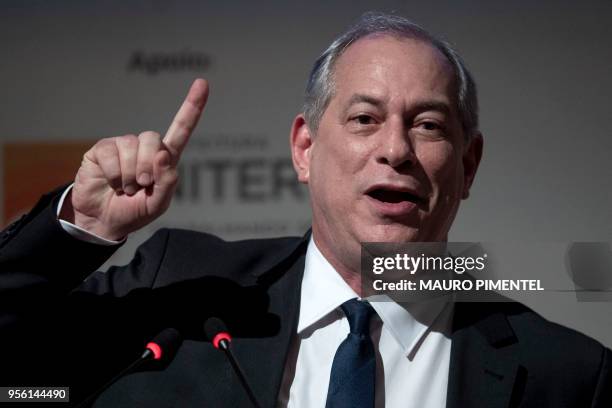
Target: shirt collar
(324,290)
(410,323)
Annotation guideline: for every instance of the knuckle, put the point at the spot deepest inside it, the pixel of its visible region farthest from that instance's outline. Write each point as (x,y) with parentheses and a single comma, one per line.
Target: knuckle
(185,124)
(106,150)
(127,147)
(103,144)
(107,140)
(150,142)
(149,135)
(127,141)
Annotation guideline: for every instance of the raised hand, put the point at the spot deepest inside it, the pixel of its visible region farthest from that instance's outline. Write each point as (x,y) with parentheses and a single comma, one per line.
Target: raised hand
(126,182)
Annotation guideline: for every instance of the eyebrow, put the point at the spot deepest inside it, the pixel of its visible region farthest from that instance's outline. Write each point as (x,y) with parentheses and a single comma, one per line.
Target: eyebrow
(432,106)
(360,98)
(363,98)
(423,106)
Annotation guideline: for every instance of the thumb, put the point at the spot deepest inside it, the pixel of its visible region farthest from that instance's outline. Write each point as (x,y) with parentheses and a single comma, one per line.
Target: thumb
(164,174)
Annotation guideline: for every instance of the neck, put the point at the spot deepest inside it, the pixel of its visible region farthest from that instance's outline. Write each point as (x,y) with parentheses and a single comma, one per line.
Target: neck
(349,273)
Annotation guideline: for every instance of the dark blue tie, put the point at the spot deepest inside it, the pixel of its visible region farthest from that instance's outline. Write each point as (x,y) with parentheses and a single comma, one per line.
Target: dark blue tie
(351,383)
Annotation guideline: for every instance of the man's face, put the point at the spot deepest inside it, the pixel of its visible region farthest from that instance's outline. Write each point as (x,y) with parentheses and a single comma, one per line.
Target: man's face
(389,161)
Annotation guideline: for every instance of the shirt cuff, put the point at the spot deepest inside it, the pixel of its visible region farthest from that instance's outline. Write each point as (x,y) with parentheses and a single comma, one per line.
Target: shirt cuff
(78,232)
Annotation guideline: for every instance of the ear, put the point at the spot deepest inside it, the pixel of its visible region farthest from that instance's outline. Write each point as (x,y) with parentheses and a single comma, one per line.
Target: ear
(301,143)
(471,159)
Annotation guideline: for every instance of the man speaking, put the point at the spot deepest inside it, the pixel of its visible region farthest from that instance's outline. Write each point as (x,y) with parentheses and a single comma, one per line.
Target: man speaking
(388,144)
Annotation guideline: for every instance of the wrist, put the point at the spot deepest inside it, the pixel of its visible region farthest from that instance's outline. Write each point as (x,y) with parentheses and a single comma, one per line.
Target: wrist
(91,225)
(97,228)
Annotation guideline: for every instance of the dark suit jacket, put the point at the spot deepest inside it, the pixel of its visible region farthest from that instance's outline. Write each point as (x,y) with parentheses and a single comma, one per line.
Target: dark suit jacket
(503,354)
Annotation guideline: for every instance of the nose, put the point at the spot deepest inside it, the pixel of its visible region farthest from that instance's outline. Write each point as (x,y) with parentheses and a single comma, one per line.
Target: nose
(396,149)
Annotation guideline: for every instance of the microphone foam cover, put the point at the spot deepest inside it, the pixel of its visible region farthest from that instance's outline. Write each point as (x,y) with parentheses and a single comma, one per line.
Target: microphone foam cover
(169,340)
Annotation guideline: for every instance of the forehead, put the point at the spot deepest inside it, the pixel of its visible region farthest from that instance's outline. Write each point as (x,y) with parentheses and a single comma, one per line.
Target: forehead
(389,67)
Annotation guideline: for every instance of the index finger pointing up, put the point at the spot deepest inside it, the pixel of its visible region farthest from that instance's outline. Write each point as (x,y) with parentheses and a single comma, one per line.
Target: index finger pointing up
(186,118)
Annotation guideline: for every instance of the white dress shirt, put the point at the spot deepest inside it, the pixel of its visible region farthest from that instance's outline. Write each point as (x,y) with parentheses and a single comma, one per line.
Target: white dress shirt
(412,353)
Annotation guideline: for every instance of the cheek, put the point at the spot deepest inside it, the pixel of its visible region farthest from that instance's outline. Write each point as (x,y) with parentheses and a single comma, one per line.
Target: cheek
(328,171)
(443,166)
(337,164)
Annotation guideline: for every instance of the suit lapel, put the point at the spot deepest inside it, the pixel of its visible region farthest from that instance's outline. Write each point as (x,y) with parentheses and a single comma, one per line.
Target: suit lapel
(484,363)
(263,359)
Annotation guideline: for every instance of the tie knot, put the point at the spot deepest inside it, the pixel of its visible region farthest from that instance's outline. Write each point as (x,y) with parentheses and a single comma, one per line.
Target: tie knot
(358,315)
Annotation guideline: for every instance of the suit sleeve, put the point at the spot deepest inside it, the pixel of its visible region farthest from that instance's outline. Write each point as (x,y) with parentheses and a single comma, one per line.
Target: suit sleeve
(603,389)
(56,327)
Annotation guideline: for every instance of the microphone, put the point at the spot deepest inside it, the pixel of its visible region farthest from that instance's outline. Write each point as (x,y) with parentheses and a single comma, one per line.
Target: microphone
(162,347)
(217,333)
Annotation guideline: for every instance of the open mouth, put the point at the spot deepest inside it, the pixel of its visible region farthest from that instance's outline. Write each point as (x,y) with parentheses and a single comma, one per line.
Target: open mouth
(393,196)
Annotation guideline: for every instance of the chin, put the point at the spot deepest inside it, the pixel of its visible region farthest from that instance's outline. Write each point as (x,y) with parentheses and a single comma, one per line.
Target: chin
(392,233)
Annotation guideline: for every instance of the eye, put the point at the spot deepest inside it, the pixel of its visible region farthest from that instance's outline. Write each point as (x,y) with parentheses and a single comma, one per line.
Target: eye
(363,119)
(429,125)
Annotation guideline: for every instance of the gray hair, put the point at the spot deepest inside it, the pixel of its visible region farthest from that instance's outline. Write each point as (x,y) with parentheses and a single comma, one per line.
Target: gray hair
(320,87)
